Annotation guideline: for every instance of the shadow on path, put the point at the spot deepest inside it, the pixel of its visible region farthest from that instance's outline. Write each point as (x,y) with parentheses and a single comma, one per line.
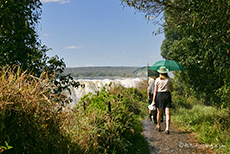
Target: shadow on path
(177,142)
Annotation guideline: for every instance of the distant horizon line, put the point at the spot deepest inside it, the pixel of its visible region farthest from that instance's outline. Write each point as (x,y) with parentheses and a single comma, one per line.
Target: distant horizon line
(100,66)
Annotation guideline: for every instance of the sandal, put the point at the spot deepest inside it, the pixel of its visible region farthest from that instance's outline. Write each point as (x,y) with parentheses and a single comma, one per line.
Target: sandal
(158,128)
(167,132)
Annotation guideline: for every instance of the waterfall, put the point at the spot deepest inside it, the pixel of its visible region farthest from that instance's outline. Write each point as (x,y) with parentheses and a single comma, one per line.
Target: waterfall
(96,84)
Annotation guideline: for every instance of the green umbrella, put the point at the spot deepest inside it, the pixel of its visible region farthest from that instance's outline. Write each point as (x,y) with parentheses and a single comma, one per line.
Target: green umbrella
(170,64)
(144,72)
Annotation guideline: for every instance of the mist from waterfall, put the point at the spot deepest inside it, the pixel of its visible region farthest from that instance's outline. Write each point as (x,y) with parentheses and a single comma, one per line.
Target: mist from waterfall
(96,84)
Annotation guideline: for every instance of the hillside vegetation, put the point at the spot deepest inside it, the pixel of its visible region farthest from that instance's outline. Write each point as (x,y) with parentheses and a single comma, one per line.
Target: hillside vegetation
(31,121)
(101,71)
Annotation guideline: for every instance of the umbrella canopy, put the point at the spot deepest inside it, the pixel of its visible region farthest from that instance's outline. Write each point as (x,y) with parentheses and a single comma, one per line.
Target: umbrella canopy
(144,72)
(170,64)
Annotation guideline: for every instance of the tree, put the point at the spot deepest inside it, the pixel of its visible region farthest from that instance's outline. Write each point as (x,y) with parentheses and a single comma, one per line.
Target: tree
(19,41)
(170,36)
(20,44)
(204,47)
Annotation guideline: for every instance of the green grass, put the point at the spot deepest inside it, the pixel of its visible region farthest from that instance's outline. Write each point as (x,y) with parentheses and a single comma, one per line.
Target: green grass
(210,125)
(31,121)
(99,131)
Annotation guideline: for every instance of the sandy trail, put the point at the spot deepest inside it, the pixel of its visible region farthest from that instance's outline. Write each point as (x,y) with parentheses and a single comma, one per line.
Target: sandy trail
(177,142)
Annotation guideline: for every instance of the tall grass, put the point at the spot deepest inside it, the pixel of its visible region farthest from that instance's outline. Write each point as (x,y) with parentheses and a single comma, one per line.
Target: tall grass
(31,121)
(99,131)
(29,117)
(211,125)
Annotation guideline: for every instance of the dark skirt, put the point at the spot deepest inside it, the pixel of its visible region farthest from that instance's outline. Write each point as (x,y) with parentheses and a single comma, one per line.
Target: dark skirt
(163,100)
(150,98)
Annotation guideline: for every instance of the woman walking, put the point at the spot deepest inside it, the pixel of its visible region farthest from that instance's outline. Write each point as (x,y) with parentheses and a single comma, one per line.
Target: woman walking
(150,91)
(162,97)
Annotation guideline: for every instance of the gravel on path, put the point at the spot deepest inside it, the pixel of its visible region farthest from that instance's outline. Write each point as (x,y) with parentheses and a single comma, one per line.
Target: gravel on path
(177,142)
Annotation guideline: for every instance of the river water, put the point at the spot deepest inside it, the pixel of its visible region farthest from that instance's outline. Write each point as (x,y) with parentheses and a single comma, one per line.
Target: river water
(96,84)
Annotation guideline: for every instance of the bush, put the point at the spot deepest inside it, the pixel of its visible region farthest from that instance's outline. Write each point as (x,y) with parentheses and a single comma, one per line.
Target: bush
(210,125)
(30,120)
(100,131)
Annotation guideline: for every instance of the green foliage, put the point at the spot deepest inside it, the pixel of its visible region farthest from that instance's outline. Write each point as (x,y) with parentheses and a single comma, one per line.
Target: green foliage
(204,49)
(100,131)
(201,44)
(171,35)
(211,126)
(18,39)
(30,119)
(6,147)
(20,44)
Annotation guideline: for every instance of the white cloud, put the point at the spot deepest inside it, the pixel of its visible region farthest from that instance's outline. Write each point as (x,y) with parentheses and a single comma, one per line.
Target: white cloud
(60,1)
(48,34)
(74,47)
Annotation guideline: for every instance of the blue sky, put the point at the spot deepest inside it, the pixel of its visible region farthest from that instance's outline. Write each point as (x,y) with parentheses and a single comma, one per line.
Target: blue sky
(98,33)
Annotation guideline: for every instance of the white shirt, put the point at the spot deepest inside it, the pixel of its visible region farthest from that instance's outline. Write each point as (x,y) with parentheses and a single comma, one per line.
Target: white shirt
(163,85)
(151,86)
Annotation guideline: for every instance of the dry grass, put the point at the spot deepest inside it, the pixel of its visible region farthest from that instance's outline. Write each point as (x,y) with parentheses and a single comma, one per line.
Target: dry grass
(30,119)
(33,122)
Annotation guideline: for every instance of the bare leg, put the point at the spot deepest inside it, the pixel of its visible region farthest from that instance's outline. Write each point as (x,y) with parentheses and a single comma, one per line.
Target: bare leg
(150,111)
(150,114)
(167,112)
(159,112)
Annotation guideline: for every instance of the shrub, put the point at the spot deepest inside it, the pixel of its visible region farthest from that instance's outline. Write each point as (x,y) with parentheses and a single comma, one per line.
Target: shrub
(211,125)
(30,119)
(97,130)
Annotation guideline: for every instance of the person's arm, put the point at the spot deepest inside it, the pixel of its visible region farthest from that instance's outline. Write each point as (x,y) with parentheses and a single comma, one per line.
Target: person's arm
(148,95)
(155,92)
(148,92)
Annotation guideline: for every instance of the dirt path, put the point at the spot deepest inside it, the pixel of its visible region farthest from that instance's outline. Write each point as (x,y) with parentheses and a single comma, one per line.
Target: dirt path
(177,142)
